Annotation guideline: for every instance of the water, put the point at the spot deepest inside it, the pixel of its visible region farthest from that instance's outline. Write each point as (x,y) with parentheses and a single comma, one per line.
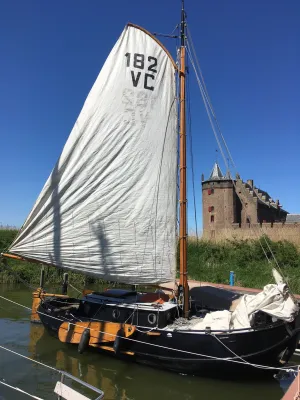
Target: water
(119,380)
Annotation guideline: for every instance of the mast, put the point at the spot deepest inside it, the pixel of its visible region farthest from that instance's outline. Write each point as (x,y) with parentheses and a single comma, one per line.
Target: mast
(182,167)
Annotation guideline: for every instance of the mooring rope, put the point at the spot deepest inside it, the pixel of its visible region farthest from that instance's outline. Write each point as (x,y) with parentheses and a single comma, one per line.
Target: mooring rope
(21,391)
(227,359)
(27,358)
(30,359)
(73,287)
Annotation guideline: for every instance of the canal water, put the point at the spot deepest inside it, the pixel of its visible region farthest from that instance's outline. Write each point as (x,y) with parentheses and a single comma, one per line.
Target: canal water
(119,380)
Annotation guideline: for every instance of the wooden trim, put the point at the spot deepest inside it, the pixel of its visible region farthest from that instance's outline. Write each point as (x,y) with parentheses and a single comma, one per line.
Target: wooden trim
(156,40)
(100,332)
(153,333)
(87,291)
(108,348)
(102,347)
(36,301)
(37,296)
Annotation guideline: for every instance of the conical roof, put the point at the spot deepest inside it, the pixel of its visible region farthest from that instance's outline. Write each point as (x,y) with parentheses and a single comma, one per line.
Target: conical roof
(216,173)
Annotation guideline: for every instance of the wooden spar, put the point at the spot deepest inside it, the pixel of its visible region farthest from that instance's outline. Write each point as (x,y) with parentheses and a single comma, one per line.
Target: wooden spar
(182,167)
(156,40)
(13,256)
(21,258)
(42,277)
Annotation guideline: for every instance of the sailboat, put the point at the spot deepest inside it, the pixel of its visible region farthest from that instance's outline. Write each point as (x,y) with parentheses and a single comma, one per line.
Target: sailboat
(109,210)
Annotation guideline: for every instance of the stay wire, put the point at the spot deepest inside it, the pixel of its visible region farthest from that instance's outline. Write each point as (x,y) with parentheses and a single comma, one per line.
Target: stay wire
(208,98)
(206,104)
(190,136)
(212,125)
(205,101)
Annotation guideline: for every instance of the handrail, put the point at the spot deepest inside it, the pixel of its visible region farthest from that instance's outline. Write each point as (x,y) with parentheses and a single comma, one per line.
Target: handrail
(87,385)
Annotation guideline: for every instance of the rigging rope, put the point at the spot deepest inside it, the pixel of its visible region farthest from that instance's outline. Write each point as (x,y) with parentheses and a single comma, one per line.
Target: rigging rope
(259,366)
(205,103)
(190,137)
(207,96)
(211,113)
(73,287)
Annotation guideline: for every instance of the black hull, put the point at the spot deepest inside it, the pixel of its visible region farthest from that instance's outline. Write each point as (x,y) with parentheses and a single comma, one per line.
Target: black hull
(171,350)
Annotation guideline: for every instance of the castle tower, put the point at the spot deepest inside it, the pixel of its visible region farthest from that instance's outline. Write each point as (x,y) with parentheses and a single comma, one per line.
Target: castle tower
(218,201)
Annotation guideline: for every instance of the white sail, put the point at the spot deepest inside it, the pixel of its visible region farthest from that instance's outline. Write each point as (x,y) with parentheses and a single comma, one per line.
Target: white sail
(108,208)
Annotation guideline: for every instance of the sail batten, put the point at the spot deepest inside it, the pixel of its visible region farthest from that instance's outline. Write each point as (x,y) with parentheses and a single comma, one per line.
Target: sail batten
(108,208)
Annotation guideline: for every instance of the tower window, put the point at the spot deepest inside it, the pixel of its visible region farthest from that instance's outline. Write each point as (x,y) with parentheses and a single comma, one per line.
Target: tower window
(212,218)
(210,208)
(210,191)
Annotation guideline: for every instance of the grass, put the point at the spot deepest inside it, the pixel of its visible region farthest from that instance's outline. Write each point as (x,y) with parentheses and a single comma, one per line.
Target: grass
(207,261)
(213,261)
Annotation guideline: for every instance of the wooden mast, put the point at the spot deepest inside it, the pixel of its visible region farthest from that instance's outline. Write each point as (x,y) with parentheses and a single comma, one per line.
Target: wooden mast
(182,167)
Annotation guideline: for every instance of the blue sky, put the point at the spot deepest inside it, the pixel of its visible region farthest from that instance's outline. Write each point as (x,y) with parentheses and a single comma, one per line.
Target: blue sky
(52,51)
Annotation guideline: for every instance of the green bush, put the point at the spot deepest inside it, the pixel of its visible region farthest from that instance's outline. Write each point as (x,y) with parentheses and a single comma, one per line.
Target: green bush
(207,261)
(212,262)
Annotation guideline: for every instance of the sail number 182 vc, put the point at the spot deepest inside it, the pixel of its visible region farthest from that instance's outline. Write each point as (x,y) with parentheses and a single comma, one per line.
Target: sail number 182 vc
(138,61)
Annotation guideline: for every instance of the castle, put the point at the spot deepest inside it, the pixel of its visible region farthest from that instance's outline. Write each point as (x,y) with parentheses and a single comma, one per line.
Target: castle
(231,204)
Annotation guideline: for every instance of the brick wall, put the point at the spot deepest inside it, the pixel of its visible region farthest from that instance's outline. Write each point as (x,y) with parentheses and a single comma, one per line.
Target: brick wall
(276,231)
(218,202)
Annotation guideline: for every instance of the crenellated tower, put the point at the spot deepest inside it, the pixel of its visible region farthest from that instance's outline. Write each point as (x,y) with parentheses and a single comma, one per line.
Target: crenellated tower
(221,205)
(230,203)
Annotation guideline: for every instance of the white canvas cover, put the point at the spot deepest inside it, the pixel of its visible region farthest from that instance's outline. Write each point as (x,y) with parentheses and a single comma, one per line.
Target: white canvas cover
(214,320)
(274,300)
(109,206)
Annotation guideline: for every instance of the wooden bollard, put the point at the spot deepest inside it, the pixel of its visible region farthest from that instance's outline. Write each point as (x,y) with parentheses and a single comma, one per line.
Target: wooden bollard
(64,289)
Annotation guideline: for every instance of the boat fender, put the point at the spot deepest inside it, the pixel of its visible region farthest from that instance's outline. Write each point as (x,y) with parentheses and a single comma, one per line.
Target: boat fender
(285,355)
(118,341)
(289,330)
(84,340)
(207,330)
